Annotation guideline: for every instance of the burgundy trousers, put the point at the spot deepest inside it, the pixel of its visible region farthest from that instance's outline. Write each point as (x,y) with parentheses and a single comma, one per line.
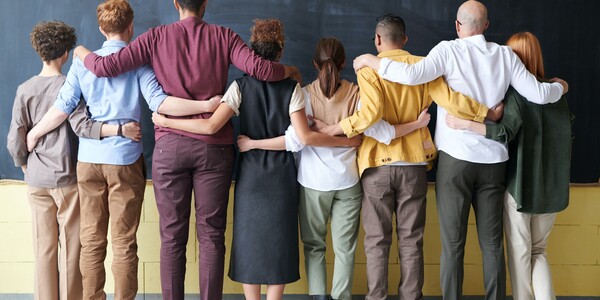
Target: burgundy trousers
(181,165)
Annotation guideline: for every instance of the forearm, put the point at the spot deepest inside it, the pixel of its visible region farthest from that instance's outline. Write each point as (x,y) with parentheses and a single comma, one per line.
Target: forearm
(478,128)
(52,119)
(175,106)
(317,139)
(109,130)
(406,128)
(274,144)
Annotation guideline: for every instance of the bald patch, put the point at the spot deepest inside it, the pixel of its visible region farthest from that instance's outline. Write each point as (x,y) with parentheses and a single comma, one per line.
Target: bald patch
(473,14)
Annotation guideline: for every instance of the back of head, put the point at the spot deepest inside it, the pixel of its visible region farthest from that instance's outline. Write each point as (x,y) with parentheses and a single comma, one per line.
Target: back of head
(267,38)
(472,17)
(114,16)
(391,28)
(191,5)
(527,47)
(53,39)
(329,59)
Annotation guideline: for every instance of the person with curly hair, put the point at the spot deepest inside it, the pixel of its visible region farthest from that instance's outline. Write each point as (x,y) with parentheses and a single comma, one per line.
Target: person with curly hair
(111,172)
(191,59)
(265,227)
(50,168)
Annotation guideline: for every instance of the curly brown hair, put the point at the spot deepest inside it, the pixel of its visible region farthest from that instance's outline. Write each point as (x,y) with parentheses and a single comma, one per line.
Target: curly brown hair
(267,38)
(114,16)
(51,39)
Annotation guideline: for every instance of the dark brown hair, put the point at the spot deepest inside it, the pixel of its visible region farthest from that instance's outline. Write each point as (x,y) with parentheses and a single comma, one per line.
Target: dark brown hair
(267,38)
(191,5)
(52,39)
(329,59)
(114,16)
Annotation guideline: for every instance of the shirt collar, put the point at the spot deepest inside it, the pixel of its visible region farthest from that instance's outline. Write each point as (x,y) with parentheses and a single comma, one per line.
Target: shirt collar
(476,39)
(390,53)
(114,43)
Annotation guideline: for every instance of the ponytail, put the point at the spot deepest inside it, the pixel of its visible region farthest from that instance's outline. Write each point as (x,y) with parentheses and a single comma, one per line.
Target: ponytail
(329,76)
(329,59)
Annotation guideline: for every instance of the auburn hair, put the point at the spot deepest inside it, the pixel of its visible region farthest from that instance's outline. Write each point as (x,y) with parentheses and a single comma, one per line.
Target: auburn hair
(267,38)
(114,16)
(527,47)
(329,59)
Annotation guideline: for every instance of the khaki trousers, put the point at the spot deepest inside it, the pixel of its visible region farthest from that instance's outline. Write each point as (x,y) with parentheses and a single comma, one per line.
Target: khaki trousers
(388,190)
(526,240)
(55,220)
(110,193)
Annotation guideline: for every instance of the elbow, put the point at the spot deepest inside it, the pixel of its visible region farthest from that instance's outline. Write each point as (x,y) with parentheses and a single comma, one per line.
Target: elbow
(212,128)
(305,139)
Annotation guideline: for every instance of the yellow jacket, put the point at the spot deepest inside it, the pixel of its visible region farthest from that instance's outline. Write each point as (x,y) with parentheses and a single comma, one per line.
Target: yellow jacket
(399,104)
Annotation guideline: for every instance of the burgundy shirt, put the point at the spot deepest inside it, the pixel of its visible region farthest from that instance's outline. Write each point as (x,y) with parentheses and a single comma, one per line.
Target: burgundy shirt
(191,59)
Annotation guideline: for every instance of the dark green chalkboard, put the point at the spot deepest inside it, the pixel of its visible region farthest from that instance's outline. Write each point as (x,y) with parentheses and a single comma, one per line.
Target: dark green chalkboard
(568,31)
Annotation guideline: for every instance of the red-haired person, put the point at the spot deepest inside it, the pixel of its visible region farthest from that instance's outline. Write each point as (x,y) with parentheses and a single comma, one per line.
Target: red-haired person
(470,168)
(537,174)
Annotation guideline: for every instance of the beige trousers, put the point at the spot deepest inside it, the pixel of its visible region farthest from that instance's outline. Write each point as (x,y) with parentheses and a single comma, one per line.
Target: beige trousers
(110,193)
(55,220)
(526,240)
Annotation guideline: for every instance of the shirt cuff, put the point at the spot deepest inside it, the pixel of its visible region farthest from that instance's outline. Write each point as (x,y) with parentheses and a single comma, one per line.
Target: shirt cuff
(481,114)
(20,161)
(292,142)
(155,103)
(60,105)
(347,128)
(96,130)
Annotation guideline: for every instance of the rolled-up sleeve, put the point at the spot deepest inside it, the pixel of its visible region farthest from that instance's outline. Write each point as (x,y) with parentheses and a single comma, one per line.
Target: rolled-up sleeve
(151,89)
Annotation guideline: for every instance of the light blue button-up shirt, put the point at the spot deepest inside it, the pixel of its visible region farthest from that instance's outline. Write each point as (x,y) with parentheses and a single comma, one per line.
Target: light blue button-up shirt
(112,101)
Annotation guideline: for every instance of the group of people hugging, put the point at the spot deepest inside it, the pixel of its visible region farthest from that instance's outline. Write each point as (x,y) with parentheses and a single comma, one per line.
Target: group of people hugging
(331,151)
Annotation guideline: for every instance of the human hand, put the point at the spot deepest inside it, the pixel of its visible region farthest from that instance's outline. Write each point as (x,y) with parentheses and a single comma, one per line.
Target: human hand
(366,60)
(32,139)
(132,131)
(456,123)
(563,83)
(318,124)
(244,143)
(81,52)
(495,113)
(293,72)
(24,168)
(213,103)
(159,119)
(424,118)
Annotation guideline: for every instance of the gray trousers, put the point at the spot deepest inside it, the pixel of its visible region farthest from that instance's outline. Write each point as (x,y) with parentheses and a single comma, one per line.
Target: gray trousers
(388,190)
(460,185)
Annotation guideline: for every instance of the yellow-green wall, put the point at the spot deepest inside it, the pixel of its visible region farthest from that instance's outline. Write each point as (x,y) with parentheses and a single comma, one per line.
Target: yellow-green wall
(574,249)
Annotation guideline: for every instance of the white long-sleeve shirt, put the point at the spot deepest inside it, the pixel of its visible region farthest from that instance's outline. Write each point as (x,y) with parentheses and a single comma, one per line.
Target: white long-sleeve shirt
(481,70)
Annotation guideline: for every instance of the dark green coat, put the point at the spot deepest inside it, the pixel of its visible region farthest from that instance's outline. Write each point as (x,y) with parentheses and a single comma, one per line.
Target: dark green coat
(539,147)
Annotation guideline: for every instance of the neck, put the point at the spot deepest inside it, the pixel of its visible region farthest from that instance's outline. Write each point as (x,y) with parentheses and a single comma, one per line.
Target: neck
(52,68)
(184,14)
(118,37)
